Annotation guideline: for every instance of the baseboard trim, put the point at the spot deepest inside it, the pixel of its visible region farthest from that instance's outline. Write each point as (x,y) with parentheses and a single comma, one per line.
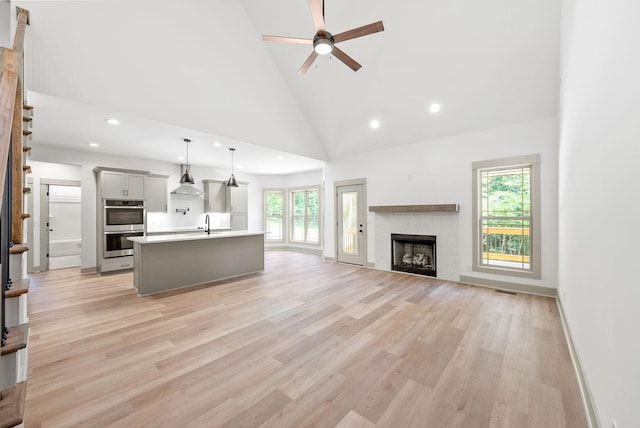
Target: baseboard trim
(314,251)
(93,269)
(585,392)
(330,259)
(509,286)
(371,265)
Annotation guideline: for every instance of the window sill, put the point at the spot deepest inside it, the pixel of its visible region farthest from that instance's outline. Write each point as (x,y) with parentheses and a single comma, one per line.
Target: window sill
(507,272)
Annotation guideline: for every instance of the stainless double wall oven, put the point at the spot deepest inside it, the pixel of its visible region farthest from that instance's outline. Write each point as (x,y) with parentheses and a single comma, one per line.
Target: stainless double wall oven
(122,219)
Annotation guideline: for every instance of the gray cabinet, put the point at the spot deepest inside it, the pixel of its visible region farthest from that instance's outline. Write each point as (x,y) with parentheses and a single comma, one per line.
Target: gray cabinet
(215,196)
(121,185)
(237,205)
(218,198)
(239,221)
(237,199)
(156,193)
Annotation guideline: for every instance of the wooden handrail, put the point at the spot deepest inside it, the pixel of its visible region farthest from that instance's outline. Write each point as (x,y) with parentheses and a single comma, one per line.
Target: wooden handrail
(21,30)
(10,79)
(8,86)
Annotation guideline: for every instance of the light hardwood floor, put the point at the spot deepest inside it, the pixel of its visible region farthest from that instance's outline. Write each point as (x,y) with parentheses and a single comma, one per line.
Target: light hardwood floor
(306,343)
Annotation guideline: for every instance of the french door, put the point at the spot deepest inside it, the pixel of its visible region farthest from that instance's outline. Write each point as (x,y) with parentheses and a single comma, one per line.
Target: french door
(351,218)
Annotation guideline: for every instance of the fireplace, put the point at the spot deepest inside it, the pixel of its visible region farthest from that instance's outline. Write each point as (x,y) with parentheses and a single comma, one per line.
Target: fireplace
(414,254)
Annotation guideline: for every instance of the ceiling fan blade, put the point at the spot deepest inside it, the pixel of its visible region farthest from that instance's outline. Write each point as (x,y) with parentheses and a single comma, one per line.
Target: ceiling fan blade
(308,62)
(317,14)
(365,30)
(281,39)
(350,62)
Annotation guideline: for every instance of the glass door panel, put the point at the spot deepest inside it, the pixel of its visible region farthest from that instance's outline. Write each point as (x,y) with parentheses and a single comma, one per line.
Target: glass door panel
(350,223)
(351,240)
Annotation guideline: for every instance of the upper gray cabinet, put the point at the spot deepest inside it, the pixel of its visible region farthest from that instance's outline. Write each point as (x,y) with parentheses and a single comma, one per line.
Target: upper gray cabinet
(218,198)
(237,199)
(215,196)
(156,193)
(116,184)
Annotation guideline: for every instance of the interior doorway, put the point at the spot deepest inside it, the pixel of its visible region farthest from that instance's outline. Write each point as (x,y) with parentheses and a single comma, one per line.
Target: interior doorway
(64,226)
(56,226)
(351,240)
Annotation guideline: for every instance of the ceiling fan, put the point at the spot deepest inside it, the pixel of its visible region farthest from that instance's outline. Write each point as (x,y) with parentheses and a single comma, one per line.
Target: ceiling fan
(324,42)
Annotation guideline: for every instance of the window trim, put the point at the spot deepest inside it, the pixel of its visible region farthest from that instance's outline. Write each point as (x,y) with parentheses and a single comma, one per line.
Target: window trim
(532,161)
(284,192)
(290,192)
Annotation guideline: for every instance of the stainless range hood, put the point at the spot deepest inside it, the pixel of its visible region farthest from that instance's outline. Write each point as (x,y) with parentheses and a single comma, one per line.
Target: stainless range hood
(187,187)
(187,184)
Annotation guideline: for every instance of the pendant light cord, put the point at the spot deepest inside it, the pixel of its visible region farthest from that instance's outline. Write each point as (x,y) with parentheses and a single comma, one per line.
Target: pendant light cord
(186,140)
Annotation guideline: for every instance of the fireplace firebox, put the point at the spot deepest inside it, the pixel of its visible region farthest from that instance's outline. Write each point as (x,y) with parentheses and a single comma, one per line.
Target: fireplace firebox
(414,254)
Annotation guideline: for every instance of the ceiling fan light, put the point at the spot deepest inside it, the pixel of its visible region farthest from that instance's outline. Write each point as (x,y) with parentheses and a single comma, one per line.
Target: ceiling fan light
(322,46)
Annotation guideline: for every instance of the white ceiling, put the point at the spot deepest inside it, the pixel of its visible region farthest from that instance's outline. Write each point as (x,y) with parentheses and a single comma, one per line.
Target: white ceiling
(72,125)
(200,66)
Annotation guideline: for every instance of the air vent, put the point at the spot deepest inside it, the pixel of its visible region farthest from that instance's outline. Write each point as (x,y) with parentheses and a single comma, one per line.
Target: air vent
(507,292)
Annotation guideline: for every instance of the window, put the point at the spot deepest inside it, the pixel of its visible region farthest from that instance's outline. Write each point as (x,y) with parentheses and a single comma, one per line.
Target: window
(305,216)
(507,207)
(273,214)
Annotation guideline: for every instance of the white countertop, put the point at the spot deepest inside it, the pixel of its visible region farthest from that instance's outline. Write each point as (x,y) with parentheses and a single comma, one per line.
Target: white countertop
(192,236)
(187,229)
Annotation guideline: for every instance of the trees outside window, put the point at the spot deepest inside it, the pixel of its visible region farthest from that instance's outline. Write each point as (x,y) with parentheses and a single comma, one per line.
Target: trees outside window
(273,214)
(506,203)
(305,216)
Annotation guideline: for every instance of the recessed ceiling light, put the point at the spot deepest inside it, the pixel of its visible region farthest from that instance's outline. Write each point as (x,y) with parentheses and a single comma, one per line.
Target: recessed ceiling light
(112,121)
(180,157)
(216,144)
(280,157)
(94,144)
(434,108)
(375,124)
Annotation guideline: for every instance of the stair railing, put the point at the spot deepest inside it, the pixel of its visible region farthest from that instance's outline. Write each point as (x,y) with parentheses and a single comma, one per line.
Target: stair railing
(11,102)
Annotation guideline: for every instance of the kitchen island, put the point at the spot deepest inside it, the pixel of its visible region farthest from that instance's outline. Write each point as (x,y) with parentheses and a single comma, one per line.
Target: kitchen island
(168,262)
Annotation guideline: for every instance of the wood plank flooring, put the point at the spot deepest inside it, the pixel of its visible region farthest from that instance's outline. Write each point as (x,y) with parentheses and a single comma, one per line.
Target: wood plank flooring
(305,343)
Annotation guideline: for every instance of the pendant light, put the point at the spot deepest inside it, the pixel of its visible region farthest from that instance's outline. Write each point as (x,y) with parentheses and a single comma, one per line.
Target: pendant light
(232,180)
(187,177)
(187,182)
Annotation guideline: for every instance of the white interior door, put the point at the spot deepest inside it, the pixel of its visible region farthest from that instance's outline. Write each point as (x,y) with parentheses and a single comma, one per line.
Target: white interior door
(64,226)
(352,234)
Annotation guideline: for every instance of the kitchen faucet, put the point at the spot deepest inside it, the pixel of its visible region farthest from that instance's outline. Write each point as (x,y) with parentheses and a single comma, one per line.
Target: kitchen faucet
(207,224)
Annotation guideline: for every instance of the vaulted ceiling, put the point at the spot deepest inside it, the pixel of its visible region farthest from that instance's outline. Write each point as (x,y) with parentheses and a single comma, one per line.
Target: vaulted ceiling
(201,65)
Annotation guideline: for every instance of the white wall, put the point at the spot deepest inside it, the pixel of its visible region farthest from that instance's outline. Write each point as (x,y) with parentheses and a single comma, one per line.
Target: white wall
(439,172)
(599,200)
(303,179)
